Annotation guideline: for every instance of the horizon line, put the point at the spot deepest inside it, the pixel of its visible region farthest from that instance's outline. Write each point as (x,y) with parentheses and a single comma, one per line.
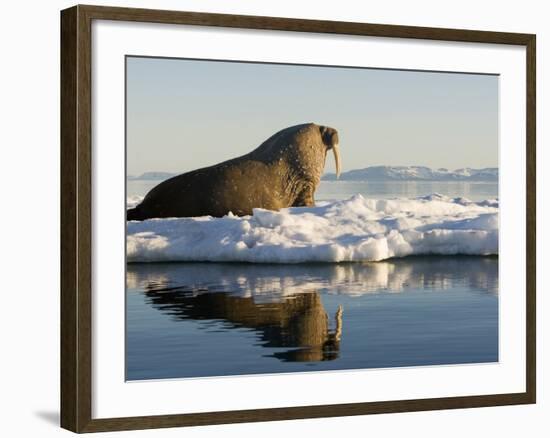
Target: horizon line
(332,172)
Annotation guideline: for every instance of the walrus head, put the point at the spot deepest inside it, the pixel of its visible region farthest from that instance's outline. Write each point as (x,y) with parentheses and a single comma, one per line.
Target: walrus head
(306,144)
(330,139)
(299,153)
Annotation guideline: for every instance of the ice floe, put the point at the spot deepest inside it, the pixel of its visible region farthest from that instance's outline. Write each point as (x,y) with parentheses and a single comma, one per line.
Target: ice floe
(356,229)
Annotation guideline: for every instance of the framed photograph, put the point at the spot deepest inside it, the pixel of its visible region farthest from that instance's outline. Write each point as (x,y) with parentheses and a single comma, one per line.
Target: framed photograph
(272,218)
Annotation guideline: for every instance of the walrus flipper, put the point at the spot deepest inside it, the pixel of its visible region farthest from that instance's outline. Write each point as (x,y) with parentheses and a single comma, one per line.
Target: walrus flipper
(134,214)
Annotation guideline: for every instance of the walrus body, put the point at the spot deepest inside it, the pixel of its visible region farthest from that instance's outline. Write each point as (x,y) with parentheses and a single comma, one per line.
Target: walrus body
(283,171)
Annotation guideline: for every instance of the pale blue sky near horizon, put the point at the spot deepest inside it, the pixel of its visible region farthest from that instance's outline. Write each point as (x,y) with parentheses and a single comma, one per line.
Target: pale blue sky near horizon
(185,114)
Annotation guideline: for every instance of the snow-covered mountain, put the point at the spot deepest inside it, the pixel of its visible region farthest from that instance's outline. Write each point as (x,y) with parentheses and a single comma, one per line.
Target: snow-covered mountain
(151,176)
(380,173)
(415,173)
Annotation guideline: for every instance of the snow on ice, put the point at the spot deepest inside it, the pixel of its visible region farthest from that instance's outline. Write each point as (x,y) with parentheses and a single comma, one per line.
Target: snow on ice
(354,230)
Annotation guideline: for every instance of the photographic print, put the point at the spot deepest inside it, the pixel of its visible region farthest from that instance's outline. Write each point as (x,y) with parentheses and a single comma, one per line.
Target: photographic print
(304,218)
(267,218)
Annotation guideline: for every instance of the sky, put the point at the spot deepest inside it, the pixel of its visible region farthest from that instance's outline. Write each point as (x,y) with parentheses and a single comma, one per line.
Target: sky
(185,114)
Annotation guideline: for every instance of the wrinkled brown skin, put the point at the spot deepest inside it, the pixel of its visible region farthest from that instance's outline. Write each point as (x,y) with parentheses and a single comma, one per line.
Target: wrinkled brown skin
(284,171)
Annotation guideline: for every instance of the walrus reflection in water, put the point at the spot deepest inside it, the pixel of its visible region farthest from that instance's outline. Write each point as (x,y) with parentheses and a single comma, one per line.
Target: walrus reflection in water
(299,322)
(284,171)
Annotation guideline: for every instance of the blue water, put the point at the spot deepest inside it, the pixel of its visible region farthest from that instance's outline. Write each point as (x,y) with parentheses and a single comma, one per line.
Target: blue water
(215,319)
(336,190)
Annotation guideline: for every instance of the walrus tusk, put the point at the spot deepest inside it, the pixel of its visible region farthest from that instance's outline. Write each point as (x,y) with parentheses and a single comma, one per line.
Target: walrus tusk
(338,318)
(336,152)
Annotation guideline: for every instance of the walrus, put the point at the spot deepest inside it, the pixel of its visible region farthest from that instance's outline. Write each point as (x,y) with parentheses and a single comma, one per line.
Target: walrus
(298,323)
(284,171)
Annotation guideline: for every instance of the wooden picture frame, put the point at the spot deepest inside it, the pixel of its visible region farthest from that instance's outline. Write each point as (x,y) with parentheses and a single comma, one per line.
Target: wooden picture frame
(76,217)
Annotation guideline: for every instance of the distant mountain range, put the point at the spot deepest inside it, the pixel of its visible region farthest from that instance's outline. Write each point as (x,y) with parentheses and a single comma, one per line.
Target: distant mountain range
(151,176)
(415,173)
(380,173)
